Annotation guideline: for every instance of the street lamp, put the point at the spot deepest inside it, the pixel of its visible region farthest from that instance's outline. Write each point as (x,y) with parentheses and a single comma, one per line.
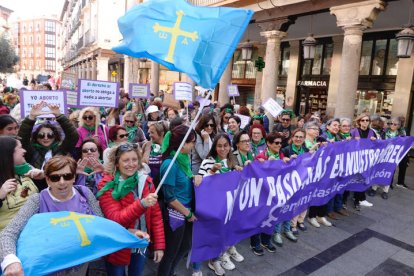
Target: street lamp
(309,45)
(405,40)
(247,50)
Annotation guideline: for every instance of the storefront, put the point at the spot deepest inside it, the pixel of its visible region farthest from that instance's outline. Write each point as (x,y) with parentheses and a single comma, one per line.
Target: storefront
(313,95)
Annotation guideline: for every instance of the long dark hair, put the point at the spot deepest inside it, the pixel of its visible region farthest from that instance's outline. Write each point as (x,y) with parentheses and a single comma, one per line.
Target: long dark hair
(177,135)
(7,146)
(5,120)
(231,159)
(203,122)
(50,126)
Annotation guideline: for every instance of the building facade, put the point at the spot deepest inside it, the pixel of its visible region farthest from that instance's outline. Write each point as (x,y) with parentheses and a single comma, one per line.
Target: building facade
(4,20)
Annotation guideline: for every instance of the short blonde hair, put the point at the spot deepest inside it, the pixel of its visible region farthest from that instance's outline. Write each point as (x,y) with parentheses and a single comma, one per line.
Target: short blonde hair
(94,112)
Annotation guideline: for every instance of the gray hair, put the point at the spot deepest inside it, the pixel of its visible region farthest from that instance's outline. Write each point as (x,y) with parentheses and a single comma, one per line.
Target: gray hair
(311,124)
(343,120)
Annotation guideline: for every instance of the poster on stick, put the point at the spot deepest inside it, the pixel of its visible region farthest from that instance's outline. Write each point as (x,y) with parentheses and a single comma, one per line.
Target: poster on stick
(233,90)
(137,90)
(68,81)
(98,93)
(183,91)
(272,107)
(28,98)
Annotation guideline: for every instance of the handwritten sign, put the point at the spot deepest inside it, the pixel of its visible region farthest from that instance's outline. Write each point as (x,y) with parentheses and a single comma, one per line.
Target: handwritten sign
(28,98)
(68,81)
(183,91)
(233,90)
(98,93)
(244,120)
(272,107)
(137,90)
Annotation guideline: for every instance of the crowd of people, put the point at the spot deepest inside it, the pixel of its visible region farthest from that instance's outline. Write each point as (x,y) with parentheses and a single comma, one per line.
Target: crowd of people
(109,162)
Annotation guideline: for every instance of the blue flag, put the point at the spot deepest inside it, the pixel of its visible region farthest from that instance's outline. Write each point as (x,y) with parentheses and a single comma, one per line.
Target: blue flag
(58,240)
(198,41)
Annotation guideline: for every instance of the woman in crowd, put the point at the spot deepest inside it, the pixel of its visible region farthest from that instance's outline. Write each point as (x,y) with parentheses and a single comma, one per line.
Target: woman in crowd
(127,197)
(365,132)
(257,134)
(171,113)
(242,148)
(272,152)
(226,113)
(15,183)
(135,133)
(153,115)
(234,126)
(152,150)
(90,168)
(221,160)
(117,135)
(178,198)
(90,128)
(345,129)
(8,125)
(206,129)
(377,125)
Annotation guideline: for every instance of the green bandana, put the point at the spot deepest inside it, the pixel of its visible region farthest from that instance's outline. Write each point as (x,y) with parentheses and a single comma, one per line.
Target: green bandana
(223,169)
(228,110)
(346,135)
(297,150)
(330,136)
(275,155)
(183,161)
(89,128)
(255,146)
(120,188)
(258,117)
(22,169)
(245,158)
(132,132)
(155,150)
(41,147)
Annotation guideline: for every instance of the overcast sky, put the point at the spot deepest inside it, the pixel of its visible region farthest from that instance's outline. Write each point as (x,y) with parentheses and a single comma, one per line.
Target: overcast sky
(33,8)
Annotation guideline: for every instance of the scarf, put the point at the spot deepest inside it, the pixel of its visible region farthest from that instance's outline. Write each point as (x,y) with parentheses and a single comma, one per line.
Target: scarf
(297,150)
(230,132)
(120,188)
(275,155)
(155,150)
(330,136)
(255,146)
(183,160)
(391,134)
(132,132)
(22,169)
(224,168)
(346,135)
(52,147)
(90,129)
(244,158)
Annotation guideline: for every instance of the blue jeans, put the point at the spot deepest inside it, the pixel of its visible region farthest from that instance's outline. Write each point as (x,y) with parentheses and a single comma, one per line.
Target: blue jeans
(285,225)
(255,240)
(136,266)
(335,204)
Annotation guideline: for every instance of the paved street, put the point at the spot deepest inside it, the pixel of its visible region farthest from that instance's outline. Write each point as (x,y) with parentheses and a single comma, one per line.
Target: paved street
(375,241)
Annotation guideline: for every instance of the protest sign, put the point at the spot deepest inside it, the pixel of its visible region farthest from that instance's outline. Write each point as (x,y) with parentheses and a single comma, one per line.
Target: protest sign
(137,90)
(237,205)
(68,81)
(98,93)
(169,101)
(183,91)
(272,107)
(28,98)
(244,120)
(233,90)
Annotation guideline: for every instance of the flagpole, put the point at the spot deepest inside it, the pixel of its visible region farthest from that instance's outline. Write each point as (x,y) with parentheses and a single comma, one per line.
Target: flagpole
(183,142)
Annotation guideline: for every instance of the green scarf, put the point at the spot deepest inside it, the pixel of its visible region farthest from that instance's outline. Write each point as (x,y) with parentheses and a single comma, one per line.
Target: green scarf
(391,134)
(22,169)
(275,155)
(255,146)
(155,150)
(330,136)
(183,160)
(245,158)
(132,132)
(230,132)
(90,129)
(89,170)
(346,135)
(120,188)
(297,150)
(41,147)
(223,169)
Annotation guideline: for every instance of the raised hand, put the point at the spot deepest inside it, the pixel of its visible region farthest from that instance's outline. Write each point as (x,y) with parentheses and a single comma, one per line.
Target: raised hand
(37,110)
(54,109)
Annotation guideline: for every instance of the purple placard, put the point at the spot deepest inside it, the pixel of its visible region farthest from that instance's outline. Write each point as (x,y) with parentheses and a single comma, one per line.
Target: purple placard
(138,93)
(100,93)
(30,97)
(182,91)
(233,90)
(68,104)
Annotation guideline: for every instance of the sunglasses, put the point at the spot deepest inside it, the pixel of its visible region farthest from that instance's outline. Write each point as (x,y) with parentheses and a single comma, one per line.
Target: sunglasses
(86,150)
(394,124)
(49,135)
(88,118)
(245,141)
(123,135)
(129,122)
(364,120)
(57,177)
(210,125)
(225,117)
(285,120)
(277,142)
(126,147)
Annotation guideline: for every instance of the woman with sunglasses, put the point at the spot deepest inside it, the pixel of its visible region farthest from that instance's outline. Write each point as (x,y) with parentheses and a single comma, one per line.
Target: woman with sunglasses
(135,133)
(178,198)
(90,128)
(90,166)
(365,132)
(127,197)
(45,141)
(8,125)
(117,136)
(206,129)
(15,182)
(257,133)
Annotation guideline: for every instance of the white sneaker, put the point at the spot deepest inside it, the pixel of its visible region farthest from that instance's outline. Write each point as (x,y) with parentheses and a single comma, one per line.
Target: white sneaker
(216,267)
(235,255)
(226,263)
(197,273)
(323,221)
(314,222)
(366,203)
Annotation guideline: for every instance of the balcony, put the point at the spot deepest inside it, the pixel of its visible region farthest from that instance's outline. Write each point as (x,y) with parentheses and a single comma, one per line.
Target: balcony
(205,2)
(89,38)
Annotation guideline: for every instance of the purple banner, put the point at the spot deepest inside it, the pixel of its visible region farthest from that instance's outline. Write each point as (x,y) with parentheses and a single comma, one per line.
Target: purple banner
(236,205)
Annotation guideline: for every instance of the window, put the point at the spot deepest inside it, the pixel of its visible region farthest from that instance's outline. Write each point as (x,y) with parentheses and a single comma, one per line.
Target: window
(37,26)
(321,64)
(284,60)
(49,52)
(50,65)
(30,27)
(37,64)
(244,69)
(38,52)
(49,39)
(31,52)
(24,40)
(392,61)
(24,52)
(50,26)
(24,28)
(38,41)
(31,64)
(30,40)
(379,57)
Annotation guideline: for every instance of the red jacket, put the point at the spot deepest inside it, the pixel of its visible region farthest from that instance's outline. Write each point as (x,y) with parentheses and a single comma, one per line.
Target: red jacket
(263,155)
(126,211)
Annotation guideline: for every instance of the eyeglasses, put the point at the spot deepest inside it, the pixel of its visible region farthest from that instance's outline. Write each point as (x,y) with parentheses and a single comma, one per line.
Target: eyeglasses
(57,177)
(88,118)
(345,126)
(210,125)
(49,135)
(86,150)
(285,120)
(395,124)
(364,120)
(123,135)
(129,122)
(298,137)
(226,117)
(245,141)
(277,142)
(314,128)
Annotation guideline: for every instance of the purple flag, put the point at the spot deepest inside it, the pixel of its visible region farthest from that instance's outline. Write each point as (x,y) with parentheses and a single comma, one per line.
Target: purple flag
(236,205)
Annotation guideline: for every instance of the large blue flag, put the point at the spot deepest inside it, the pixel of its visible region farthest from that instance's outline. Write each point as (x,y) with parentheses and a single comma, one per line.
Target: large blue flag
(54,241)
(198,41)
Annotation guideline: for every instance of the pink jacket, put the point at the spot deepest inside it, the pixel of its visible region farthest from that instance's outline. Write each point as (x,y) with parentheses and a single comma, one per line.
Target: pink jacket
(85,134)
